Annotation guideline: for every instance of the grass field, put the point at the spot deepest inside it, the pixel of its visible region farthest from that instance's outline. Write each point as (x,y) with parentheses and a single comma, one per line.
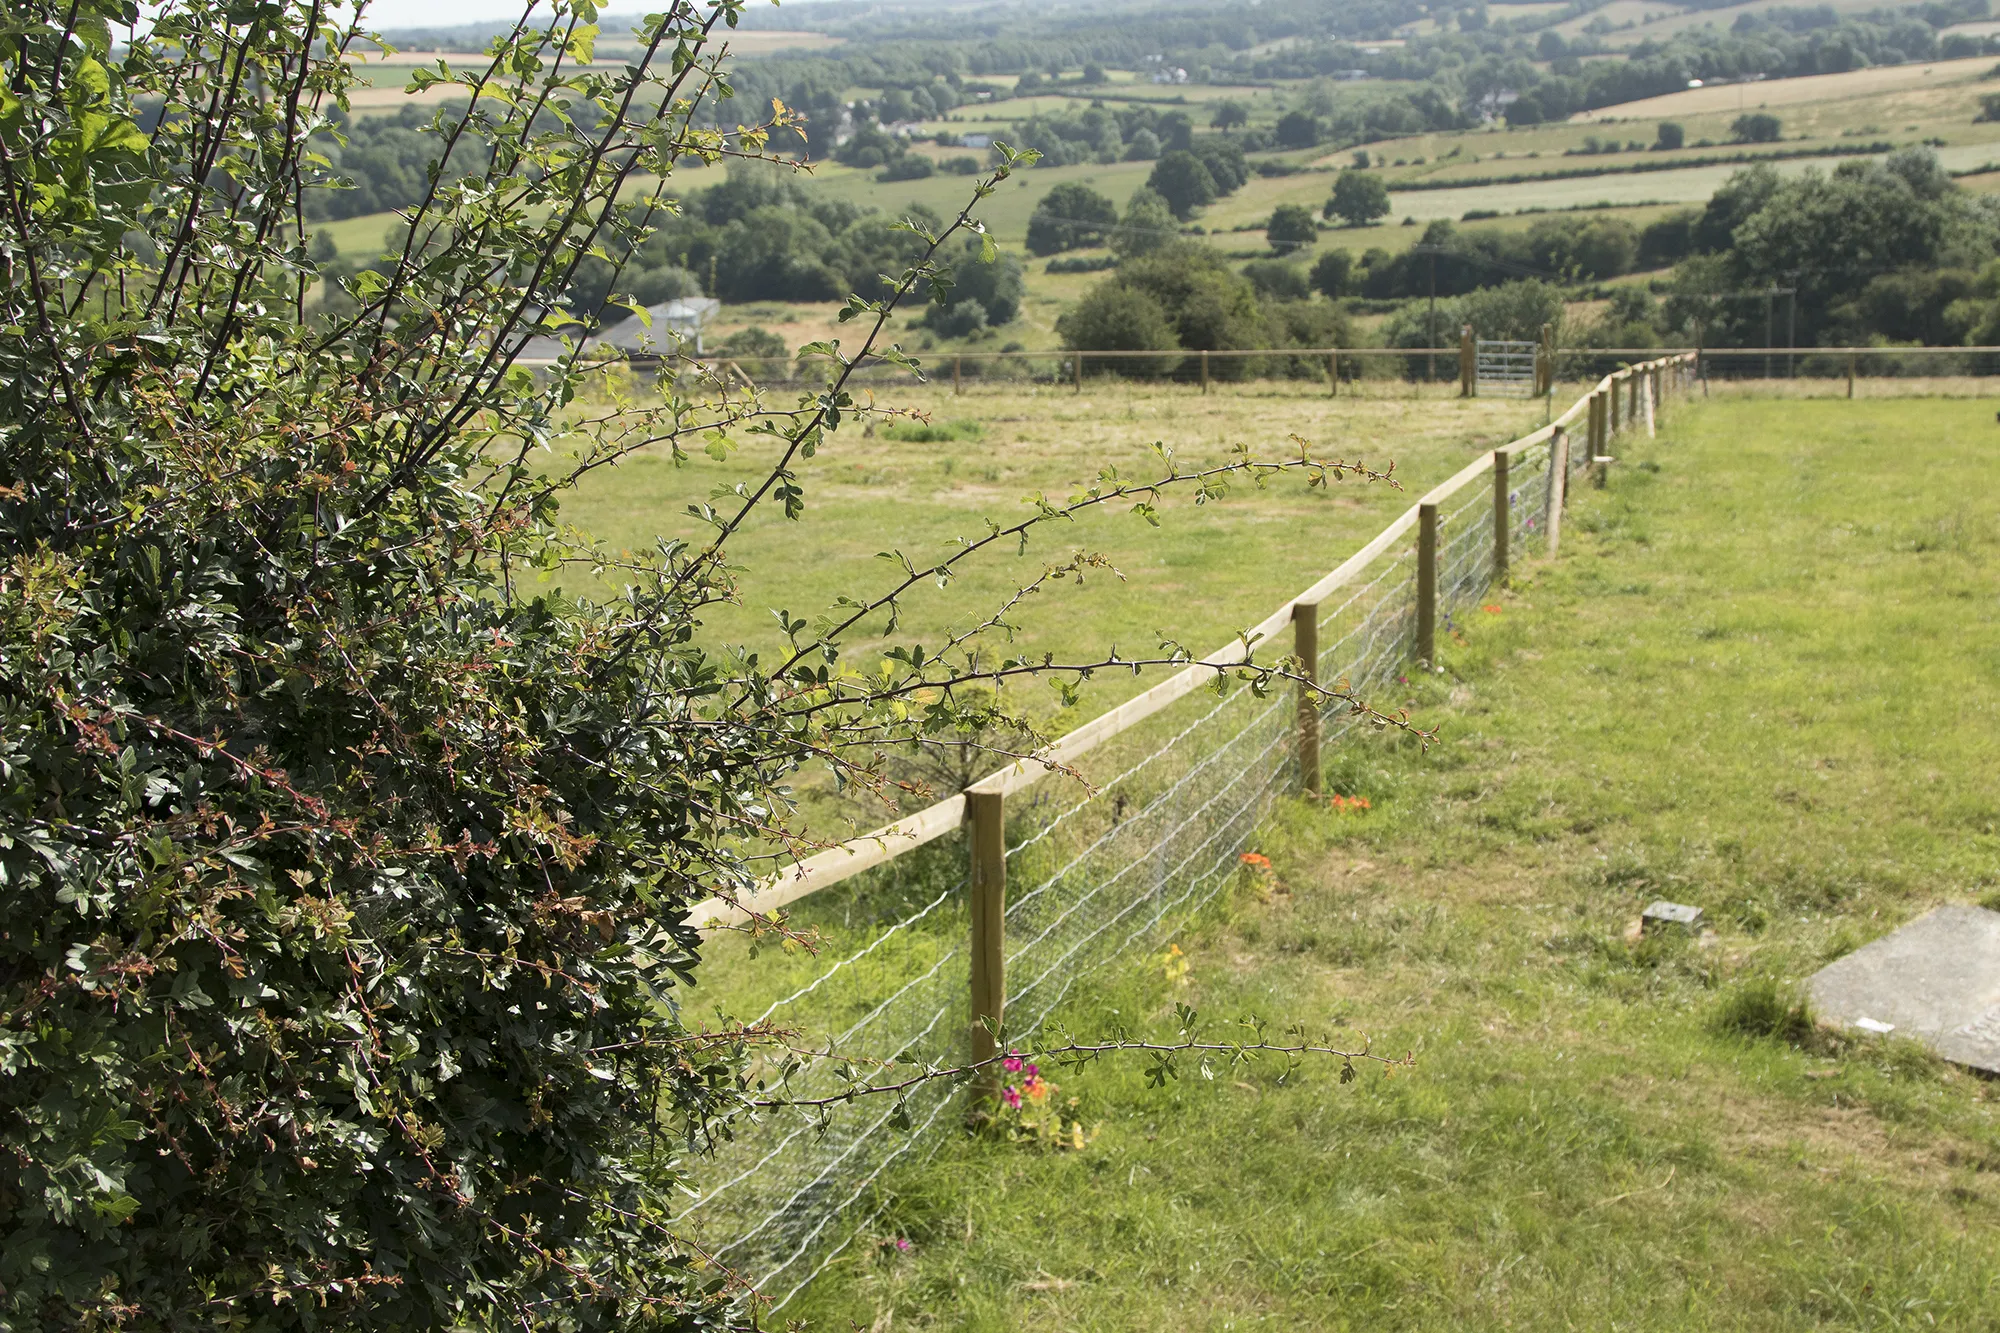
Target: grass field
(1655,21)
(1206,572)
(1731,98)
(1763,679)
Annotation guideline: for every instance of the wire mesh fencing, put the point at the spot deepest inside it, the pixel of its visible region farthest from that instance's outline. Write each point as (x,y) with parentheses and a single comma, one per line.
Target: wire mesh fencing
(1105,865)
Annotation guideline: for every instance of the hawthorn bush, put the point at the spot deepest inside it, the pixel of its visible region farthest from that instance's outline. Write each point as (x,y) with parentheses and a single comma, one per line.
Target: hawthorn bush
(346,864)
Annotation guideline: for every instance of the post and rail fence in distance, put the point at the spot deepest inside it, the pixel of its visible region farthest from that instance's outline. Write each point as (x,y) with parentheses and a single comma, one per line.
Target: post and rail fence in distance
(1341,369)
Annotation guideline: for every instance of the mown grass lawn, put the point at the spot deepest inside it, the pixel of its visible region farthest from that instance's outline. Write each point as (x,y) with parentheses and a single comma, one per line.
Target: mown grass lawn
(1762,679)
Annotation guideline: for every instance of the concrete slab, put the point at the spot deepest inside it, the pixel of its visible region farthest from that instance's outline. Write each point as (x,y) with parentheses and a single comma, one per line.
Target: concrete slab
(1663,915)
(1936,979)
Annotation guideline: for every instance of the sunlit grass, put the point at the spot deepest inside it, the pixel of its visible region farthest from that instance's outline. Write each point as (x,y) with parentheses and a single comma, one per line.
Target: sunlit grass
(1761,679)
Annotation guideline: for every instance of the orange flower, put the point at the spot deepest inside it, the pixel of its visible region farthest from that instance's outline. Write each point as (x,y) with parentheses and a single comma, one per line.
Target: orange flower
(1490,610)
(1256,860)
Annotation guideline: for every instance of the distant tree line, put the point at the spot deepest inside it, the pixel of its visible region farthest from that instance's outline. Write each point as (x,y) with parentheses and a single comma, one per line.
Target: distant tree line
(384,162)
(757,234)
(1890,251)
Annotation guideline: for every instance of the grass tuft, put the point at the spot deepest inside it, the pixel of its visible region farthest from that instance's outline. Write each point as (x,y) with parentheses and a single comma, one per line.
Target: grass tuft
(1758,1008)
(934,432)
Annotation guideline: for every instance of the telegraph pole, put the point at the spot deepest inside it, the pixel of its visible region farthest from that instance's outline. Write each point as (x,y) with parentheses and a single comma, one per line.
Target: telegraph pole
(1768,295)
(1431,319)
(1792,330)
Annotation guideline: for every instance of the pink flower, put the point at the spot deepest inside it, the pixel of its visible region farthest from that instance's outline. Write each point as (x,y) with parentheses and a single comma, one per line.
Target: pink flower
(1032,1070)
(903,1243)
(1012,1096)
(1012,1064)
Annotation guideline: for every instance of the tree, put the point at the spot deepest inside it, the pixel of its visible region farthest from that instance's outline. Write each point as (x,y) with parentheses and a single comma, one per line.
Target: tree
(985,290)
(1587,247)
(1116,318)
(1183,182)
(1829,235)
(1227,166)
(1757,127)
(1148,225)
(1331,273)
(1732,204)
(1290,227)
(1276,280)
(1358,198)
(1068,217)
(1525,110)
(1229,114)
(1669,136)
(348,866)
(1296,129)
(1669,239)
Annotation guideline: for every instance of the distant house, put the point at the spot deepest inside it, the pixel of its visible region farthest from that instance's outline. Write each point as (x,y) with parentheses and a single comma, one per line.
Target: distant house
(682,319)
(975,141)
(675,324)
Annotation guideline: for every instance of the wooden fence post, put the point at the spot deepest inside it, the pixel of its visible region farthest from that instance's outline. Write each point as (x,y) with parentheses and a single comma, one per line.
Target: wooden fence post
(957,375)
(1427,581)
(1468,365)
(1850,374)
(1599,461)
(1305,645)
(1204,372)
(1611,396)
(1333,375)
(1503,520)
(1643,386)
(1077,367)
(1558,487)
(985,813)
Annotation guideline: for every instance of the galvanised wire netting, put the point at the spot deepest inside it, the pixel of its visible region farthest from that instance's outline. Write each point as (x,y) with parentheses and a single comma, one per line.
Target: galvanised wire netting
(1465,553)
(1096,873)
(1530,478)
(1102,865)
(780,1199)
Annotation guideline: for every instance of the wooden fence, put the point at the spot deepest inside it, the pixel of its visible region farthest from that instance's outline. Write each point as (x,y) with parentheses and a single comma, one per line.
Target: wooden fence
(1620,401)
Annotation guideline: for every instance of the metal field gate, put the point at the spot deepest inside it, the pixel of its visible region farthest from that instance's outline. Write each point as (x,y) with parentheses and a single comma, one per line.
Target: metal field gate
(1505,368)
